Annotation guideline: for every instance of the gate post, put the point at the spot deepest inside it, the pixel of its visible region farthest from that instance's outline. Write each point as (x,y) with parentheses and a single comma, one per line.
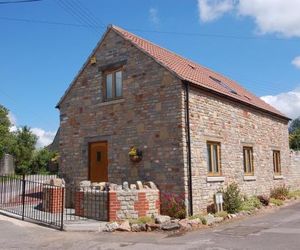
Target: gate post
(23,196)
(62,208)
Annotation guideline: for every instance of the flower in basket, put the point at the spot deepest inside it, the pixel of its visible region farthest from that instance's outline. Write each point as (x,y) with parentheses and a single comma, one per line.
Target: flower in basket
(135,154)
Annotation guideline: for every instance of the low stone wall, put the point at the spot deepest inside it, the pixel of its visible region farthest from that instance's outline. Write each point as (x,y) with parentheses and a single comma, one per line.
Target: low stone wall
(119,203)
(293,175)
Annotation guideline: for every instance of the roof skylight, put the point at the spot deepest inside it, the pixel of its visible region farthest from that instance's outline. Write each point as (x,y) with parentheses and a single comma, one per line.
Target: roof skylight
(224,85)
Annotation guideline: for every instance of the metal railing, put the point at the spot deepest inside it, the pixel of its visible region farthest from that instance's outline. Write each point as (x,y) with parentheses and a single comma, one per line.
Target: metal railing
(34,198)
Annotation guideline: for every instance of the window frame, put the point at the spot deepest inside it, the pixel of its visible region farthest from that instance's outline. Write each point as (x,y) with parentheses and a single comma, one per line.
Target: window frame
(276,162)
(210,160)
(246,151)
(113,72)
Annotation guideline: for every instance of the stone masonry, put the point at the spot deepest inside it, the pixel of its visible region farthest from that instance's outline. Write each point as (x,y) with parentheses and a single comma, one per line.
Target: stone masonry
(118,203)
(148,117)
(152,117)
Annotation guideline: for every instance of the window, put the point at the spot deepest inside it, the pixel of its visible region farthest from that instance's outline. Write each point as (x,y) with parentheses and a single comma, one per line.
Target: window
(276,162)
(248,160)
(214,158)
(113,85)
(224,85)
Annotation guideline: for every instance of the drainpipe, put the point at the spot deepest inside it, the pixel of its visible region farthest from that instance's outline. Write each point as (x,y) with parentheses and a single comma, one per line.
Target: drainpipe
(188,141)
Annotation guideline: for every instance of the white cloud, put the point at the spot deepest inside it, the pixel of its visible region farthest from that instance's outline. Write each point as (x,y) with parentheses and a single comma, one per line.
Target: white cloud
(270,16)
(288,102)
(273,16)
(296,62)
(153,15)
(210,10)
(44,137)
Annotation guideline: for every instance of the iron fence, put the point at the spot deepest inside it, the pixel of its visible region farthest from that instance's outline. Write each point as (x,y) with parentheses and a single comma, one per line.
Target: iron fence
(54,205)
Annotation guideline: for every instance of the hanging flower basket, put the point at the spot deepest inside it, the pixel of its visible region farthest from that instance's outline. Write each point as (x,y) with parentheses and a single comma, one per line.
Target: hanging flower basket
(135,155)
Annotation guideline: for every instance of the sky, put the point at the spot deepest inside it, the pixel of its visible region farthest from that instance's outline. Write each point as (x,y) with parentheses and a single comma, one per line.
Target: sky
(44,43)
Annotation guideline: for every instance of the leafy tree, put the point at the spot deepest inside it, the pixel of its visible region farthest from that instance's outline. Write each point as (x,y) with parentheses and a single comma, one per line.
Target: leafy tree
(294,137)
(295,125)
(6,137)
(40,161)
(23,148)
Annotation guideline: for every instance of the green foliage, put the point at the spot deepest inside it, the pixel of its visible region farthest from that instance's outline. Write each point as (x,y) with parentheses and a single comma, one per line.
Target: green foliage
(276,202)
(199,216)
(294,194)
(232,198)
(6,137)
(250,204)
(294,136)
(23,148)
(280,193)
(173,205)
(264,200)
(222,214)
(39,163)
(142,220)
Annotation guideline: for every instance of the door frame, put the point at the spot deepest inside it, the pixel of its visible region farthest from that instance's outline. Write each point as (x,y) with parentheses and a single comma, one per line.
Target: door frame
(89,156)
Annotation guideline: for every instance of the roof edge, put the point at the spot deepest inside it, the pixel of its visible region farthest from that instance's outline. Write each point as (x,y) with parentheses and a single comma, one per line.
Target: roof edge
(109,27)
(239,101)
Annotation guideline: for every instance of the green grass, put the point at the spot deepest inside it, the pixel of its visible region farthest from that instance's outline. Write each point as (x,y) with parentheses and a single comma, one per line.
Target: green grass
(250,204)
(142,220)
(294,194)
(199,216)
(222,214)
(276,202)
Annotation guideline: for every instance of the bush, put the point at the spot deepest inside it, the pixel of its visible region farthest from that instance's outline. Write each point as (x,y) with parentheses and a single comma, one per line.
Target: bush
(232,198)
(264,200)
(250,204)
(199,216)
(276,202)
(173,205)
(280,193)
(222,214)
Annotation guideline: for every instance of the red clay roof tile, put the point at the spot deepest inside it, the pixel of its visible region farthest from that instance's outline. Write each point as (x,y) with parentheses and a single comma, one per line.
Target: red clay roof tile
(197,74)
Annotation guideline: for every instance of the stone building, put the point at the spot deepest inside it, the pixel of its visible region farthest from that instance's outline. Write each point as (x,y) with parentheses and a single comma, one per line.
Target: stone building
(196,129)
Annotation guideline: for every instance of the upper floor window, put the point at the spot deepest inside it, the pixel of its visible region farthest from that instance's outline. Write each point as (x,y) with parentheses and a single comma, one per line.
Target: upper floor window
(248,160)
(113,85)
(214,158)
(276,162)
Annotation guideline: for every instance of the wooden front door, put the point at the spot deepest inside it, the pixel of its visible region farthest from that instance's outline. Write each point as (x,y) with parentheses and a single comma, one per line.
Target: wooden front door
(98,162)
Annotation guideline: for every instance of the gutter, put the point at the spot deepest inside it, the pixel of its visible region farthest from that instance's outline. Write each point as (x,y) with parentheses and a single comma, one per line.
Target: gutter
(189,154)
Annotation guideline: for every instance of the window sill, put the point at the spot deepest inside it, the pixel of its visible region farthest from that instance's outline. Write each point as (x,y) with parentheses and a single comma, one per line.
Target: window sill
(249,178)
(278,177)
(215,179)
(111,102)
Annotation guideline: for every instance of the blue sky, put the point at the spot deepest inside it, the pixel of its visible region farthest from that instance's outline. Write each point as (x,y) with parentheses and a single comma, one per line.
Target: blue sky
(255,42)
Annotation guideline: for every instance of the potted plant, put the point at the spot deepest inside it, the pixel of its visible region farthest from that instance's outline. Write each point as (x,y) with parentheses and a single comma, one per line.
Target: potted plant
(135,155)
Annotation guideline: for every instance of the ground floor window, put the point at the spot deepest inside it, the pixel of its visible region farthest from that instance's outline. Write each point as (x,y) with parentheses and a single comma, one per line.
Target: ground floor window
(248,160)
(276,162)
(214,158)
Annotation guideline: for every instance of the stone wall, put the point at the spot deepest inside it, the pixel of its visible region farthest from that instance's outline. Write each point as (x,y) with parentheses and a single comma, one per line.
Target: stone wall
(293,176)
(7,165)
(119,203)
(234,125)
(149,117)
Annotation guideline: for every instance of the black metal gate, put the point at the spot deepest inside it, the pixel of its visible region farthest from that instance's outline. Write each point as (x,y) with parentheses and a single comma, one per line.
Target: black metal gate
(32,198)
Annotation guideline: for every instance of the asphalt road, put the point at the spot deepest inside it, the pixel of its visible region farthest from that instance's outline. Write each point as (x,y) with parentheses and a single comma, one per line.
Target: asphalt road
(277,230)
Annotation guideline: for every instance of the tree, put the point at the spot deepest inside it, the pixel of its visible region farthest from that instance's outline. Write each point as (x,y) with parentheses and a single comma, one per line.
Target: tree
(40,161)
(6,136)
(295,124)
(23,148)
(294,136)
